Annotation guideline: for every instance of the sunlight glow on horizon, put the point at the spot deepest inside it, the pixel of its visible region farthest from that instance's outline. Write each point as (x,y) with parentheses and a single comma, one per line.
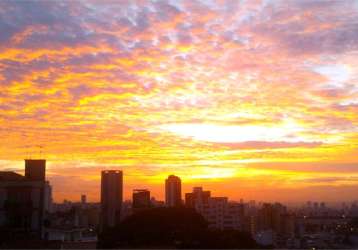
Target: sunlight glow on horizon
(231,134)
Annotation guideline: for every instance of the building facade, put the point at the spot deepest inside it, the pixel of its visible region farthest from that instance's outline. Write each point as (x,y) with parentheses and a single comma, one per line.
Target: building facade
(111,197)
(173,191)
(218,211)
(26,200)
(198,196)
(274,225)
(141,199)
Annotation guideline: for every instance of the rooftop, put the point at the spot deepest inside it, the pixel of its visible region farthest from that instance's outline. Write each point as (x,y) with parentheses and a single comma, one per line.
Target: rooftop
(10,176)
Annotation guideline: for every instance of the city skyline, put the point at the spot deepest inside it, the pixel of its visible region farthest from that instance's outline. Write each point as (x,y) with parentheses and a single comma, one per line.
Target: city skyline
(249,99)
(175,194)
(27,210)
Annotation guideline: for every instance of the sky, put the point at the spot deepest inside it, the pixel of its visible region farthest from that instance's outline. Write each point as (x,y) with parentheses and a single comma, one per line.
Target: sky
(249,99)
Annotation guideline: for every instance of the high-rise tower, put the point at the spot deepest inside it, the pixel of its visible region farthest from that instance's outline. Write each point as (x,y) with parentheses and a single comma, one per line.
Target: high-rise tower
(173,191)
(111,197)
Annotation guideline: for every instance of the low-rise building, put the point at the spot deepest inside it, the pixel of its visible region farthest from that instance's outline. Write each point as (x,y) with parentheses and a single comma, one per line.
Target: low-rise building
(218,211)
(141,199)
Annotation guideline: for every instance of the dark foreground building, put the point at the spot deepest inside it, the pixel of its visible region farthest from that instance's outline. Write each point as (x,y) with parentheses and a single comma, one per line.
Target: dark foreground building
(25,200)
(111,198)
(141,199)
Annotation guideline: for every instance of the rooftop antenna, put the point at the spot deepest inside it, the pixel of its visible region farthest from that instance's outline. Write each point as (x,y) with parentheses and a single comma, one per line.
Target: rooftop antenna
(27,146)
(29,152)
(40,151)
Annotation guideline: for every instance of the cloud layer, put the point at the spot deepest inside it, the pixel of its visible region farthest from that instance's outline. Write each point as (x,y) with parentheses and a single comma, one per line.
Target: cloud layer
(190,87)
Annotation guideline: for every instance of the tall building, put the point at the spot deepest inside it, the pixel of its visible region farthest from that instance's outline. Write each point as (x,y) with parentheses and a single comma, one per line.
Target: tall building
(111,197)
(173,191)
(35,170)
(141,198)
(25,200)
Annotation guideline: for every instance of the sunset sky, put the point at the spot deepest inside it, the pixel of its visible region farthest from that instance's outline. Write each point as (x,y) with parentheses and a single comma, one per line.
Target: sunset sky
(250,99)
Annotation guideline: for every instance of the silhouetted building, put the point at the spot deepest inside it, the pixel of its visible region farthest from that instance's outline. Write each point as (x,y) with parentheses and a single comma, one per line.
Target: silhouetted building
(25,200)
(111,197)
(218,211)
(173,191)
(83,199)
(35,170)
(156,203)
(126,209)
(222,214)
(198,196)
(141,198)
(270,217)
(274,220)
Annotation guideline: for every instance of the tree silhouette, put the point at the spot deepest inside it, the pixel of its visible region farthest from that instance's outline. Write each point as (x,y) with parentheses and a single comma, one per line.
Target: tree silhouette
(171,228)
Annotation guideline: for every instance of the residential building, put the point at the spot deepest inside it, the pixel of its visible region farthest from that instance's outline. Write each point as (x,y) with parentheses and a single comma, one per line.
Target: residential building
(26,200)
(218,211)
